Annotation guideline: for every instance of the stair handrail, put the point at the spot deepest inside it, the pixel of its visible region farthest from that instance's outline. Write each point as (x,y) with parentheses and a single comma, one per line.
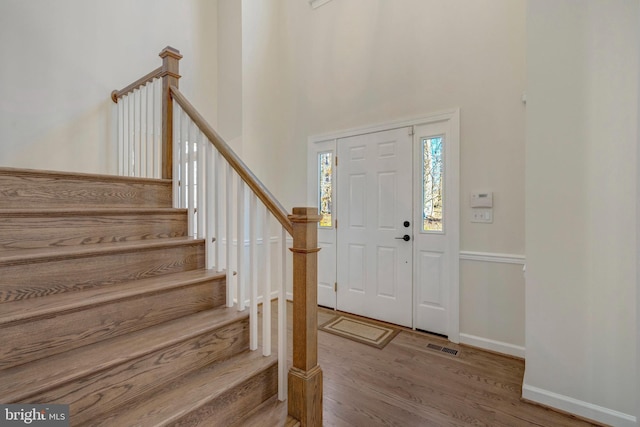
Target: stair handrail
(305,376)
(238,165)
(304,383)
(169,73)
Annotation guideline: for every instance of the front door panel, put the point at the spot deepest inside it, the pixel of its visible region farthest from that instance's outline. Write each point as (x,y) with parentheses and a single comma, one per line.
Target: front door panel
(374,200)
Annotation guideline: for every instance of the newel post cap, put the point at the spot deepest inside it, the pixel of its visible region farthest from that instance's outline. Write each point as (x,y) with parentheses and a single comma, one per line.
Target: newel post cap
(305,214)
(170,52)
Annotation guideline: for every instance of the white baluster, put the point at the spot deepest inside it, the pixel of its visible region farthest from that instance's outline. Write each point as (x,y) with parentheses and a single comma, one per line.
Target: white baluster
(191,176)
(143,132)
(184,149)
(136,132)
(177,113)
(200,168)
(266,293)
(282,320)
(125,139)
(121,136)
(131,141)
(253,272)
(229,233)
(240,290)
(211,213)
(217,192)
(157,128)
(148,131)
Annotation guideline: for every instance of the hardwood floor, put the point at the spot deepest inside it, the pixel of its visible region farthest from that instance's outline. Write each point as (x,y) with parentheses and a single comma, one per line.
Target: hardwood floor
(406,384)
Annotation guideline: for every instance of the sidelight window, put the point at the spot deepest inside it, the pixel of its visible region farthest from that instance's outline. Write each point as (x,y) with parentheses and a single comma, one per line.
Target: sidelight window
(325,190)
(432,181)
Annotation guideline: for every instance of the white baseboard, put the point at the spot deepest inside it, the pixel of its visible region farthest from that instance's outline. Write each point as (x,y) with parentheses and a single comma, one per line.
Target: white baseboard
(578,407)
(492,345)
(493,257)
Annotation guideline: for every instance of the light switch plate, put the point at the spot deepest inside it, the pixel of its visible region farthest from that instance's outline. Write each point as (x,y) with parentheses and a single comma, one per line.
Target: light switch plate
(482,215)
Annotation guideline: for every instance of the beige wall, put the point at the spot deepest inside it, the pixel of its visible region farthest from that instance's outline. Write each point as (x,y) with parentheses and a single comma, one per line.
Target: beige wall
(61,60)
(352,63)
(581,175)
(230,72)
(492,306)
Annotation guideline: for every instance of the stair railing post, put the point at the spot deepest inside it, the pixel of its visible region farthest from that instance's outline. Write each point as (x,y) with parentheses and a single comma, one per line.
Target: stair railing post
(305,377)
(169,75)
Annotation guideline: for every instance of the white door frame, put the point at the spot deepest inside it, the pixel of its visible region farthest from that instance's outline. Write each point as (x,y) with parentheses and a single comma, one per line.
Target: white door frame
(451,116)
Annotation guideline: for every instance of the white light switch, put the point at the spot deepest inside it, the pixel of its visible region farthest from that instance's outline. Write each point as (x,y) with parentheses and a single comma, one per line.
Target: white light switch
(484,215)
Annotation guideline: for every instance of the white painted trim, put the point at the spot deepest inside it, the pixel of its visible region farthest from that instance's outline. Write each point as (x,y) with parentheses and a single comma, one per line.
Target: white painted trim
(454,218)
(390,125)
(452,115)
(577,407)
(317,3)
(493,257)
(492,345)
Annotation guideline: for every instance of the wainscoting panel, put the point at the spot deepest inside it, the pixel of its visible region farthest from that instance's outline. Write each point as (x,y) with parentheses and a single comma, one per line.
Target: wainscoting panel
(492,302)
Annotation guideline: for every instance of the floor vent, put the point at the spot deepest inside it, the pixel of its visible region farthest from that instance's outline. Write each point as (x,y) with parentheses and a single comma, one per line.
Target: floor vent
(442,349)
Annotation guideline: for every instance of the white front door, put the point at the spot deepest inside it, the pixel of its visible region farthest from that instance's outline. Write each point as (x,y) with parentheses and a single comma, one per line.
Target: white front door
(384,177)
(374,198)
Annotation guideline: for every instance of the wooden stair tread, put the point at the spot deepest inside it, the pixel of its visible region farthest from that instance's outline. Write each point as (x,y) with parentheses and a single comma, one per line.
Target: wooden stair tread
(24,256)
(188,393)
(32,212)
(25,380)
(272,413)
(13,172)
(31,188)
(292,422)
(25,310)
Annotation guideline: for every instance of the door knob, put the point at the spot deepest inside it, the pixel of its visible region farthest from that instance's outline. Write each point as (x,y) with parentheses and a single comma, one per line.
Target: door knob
(406,224)
(406,238)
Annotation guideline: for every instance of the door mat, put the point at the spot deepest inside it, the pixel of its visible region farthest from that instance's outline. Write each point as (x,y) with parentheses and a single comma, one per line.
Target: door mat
(361,331)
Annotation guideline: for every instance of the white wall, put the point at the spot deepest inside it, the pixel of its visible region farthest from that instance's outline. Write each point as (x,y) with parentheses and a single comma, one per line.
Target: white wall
(581,175)
(230,72)
(62,59)
(263,85)
(352,63)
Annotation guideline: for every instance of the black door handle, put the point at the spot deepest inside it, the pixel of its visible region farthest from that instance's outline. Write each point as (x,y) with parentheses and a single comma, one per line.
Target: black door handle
(406,238)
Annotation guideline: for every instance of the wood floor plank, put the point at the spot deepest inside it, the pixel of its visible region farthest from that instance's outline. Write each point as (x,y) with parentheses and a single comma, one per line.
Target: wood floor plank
(407,385)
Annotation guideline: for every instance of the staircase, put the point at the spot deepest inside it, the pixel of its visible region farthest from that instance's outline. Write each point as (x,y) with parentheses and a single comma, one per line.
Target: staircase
(105,305)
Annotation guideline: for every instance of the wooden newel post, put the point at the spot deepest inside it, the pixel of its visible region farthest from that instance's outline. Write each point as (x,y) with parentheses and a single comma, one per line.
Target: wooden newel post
(305,377)
(169,75)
